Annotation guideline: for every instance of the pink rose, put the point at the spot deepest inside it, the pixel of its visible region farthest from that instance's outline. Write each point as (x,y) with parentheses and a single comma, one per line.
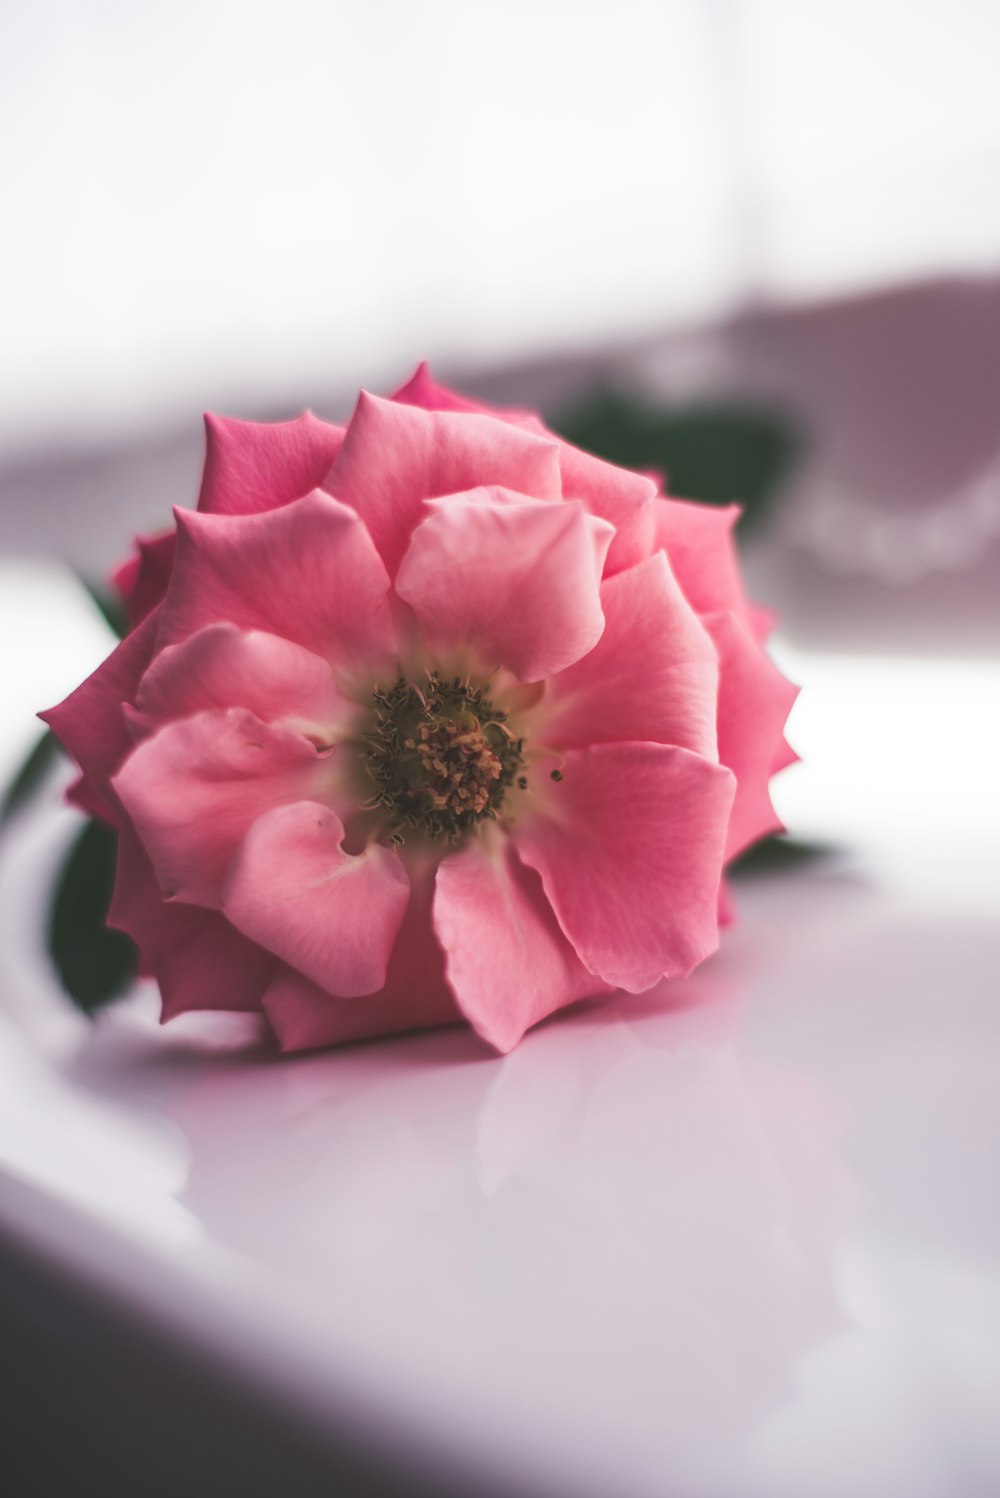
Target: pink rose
(428,718)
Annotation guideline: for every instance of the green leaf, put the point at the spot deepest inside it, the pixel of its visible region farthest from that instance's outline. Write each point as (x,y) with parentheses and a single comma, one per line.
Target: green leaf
(109,605)
(30,776)
(715,451)
(94,964)
(778,854)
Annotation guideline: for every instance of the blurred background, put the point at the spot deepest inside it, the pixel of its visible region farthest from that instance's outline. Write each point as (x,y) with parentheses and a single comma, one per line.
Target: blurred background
(754,244)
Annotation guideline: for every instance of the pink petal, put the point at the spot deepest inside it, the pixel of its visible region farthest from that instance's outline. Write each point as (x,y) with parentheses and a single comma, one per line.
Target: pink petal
(627,500)
(142,580)
(252,466)
(211,966)
(222,666)
(91,723)
(699,545)
(754,701)
(507,962)
(308,573)
(421,389)
(196,956)
(653,675)
(194,788)
(415,995)
(332,915)
(517,580)
(395,456)
(629,846)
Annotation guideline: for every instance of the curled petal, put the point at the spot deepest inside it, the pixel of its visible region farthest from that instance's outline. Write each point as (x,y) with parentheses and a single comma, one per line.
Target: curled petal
(395,456)
(91,721)
(252,466)
(754,701)
(308,572)
(629,845)
(194,788)
(518,580)
(414,997)
(627,500)
(653,675)
(508,963)
(222,666)
(332,915)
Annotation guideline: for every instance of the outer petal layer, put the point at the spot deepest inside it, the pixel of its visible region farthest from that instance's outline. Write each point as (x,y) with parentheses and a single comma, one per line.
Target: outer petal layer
(699,545)
(629,846)
(142,580)
(395,456)
(508,963)
(653,675)
(193,789)
(754,701)
(415,995)
(91,721)
(252,466)
(308,572)
(516,580)
(332,915)
(195,955)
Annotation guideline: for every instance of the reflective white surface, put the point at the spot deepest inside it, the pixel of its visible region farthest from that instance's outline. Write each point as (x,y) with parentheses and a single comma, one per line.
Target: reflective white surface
(737,1237)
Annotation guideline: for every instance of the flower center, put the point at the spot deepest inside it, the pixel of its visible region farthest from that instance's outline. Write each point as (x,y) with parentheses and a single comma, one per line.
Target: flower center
(441,757)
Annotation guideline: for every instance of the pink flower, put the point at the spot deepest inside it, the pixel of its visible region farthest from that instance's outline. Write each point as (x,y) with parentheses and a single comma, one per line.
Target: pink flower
(432,717)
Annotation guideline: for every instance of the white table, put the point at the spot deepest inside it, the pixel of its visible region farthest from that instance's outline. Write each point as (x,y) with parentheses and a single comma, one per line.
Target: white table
(737,1237)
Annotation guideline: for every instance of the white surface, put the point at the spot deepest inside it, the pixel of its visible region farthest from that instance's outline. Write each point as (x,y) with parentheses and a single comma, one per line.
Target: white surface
(738,1237)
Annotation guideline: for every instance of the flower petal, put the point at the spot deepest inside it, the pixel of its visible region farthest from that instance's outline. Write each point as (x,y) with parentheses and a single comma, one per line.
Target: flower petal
(517,579)
(252,466)
(91,723)
(395,456)
(421,389)
(198,959)
(627,500)
(308,573)
(653,675)
(332,915)
(193,789)
(754,701)
(507,961)
(415,995)
(699,545)
(629,846)
(222,666)
(142,580)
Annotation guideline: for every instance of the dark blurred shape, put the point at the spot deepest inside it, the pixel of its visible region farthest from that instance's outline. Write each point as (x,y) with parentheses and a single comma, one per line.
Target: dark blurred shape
(30,776)
(715,451)
(97,1401)
(779,854)
(110,606)
(95,964)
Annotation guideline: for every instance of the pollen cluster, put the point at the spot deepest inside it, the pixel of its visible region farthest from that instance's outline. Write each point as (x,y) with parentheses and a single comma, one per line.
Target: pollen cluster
(440,756)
